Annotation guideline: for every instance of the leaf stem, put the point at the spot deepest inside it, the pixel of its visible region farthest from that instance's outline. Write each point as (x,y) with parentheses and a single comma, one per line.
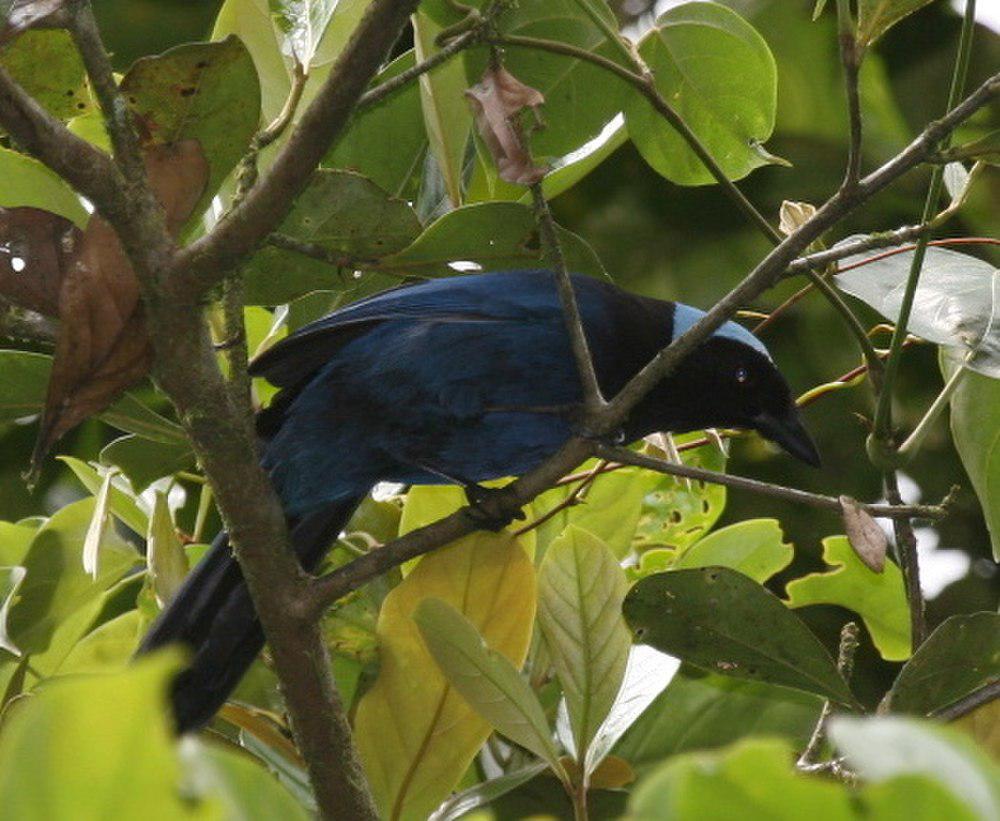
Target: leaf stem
(850,58)
(913,442)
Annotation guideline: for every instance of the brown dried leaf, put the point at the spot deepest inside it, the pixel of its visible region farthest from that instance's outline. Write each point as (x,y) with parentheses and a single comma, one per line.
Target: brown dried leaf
(103,343)
(24,14)
(866,537)
(497,101)
(36,249)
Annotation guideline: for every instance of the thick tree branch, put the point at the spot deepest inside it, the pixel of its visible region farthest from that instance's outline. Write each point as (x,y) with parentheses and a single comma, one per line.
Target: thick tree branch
(206,261)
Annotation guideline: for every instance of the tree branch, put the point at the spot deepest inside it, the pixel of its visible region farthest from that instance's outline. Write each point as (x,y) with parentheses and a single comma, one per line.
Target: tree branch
(625,456)
(850,59)
(206,261)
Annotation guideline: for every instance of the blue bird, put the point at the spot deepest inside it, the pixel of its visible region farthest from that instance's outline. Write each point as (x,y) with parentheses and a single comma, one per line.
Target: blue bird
(458,381)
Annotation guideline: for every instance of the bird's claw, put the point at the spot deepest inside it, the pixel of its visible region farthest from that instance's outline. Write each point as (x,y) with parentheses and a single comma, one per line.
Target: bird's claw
(492,508)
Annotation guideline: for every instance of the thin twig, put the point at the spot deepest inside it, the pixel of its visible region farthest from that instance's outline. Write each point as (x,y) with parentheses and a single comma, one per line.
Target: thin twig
(593,400)
(845,666)
(625,456)
(850,58)
(909,563)
(574,498)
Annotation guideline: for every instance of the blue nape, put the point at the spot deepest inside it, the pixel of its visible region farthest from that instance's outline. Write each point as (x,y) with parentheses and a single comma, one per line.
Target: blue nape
(685,317)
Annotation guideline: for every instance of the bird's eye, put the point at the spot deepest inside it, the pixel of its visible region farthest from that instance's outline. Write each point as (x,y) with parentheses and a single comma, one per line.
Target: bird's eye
(742,375)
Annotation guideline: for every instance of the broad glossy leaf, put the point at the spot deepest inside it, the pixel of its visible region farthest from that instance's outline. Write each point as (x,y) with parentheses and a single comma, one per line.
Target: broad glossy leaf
(487,237)
(957,302)
(203,91)
(346,214)
(58,599)
(60,88)
(143,462)
(701,710)
(677,512)
(883,747)
(879,598)
(755,547)
(386,142)
(725,622)
(580,592)
(45,773)
(485,678)
(29,183)
(120,500)
(975,428)
(961,655)
(876,17)
(490,580)
(753,780)
(10,582)
(485,792)
(718,74)
(107,648)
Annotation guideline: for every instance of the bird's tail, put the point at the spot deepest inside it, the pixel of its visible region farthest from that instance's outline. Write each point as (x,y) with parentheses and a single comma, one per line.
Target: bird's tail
(213,616)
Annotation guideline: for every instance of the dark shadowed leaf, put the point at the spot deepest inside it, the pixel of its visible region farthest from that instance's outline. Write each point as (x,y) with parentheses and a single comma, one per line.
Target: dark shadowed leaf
(497,101)
(957,303)
(699,711)
(346,214)
(718,74)
(463,803)
(725,622)
(198,91)
(961,655)
(488,237)
(876,17)
(866,537)
(143,461)
(38,247)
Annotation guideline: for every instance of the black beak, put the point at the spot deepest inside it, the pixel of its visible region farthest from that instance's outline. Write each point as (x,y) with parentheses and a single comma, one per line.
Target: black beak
(788,432)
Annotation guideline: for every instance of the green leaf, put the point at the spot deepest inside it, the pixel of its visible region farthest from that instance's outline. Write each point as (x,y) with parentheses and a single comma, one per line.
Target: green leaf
(463,803)
(26,182)
(122,504)
(701,710)
(203,91)
(718,74)
(346,214)
(876,17)
(912,798)
(131,415)
(58,600)
(957,301)
(165,556)
(884,747)
(99,527)
(725,622)
(580,594)
(386,141)
(486,679)
(960,656)
(879,598)
(302,24)
(677,512)
(108,648)
(10,582)
(493,236)
(143,462)
(447,117)
(975,428)
(241,786)
(45,773)
(755,547)
(60,88)
(753,780)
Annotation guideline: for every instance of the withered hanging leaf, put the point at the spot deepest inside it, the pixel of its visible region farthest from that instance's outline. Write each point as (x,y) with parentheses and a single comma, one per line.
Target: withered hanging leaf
(497,101)
(863,532)
(23,14)
(103,343)
(36,249)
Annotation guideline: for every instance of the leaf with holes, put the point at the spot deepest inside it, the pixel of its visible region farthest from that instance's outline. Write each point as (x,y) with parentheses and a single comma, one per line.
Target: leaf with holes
(580,593)
(207,92)
(60,89)
(720,77)
(725,622)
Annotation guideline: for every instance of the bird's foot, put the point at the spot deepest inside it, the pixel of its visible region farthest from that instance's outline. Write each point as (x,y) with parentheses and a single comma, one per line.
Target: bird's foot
(492,508)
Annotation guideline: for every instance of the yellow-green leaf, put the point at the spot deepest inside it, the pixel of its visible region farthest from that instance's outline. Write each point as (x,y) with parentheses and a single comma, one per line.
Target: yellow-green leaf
(879,598)
(416,735)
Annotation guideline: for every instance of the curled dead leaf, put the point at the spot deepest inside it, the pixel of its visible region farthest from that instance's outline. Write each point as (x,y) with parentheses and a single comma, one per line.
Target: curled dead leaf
(103,344)
(863,532)
(497,101)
